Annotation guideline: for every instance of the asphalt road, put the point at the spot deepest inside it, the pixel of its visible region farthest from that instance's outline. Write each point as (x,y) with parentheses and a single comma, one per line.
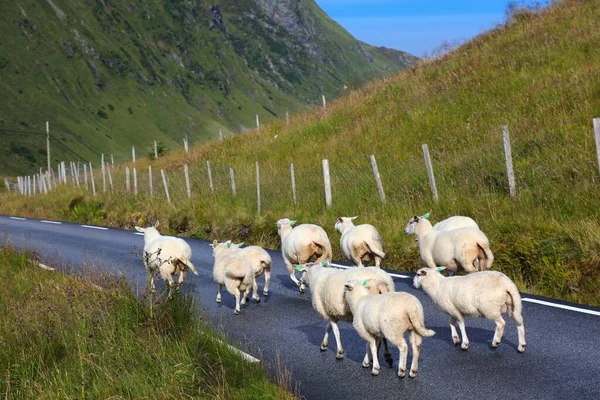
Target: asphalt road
(562,360)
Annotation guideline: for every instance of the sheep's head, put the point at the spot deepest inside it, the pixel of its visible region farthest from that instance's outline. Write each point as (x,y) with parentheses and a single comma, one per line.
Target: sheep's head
(343,222)
(284,223)
(305,269)
(424,274)
(150,229)
(218,248)
(412,223)
(353,284)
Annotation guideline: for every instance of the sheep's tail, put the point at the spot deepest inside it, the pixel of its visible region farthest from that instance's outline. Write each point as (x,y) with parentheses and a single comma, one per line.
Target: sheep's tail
(191,266)
(485,258)
(182,264)
(322,251)
(375,247)
(417,319)
(514,303)
(247,280)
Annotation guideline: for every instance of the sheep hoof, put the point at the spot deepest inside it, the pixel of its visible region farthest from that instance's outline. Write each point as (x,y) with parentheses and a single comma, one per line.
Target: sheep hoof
(236,312)
(340,355)
(257,299)
(413,374)
(465,346)
(374,372)
(521,348)
(402,373)
(455,340)
(366,364)
(266,292)
(218,300)
(323,347)
(495,344)
(302,290)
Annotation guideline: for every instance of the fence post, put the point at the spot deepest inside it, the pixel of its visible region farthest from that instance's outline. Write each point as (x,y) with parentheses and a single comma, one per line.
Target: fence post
(112,161)
(509,165)
(76,168)
(257,188)
(430,172)
(232,177)
(85,175)
(257,122)
(150,181)
(327,181)
(187,181)
(92,178)
(293,184)
(596,122)
(185,144)
(127,181)
(134,181)
(133,154)
(34,183)
(110,182)
(7,184)
(164,178)
(155,151)
(210,181)
(287,117)
(377,178)
(324,103)
(220,134)
(103,174)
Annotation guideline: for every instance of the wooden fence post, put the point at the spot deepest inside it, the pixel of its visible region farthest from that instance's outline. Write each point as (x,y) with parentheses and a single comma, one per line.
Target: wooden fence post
(187,181)
(135,191)
(596,122)
(92,178)
(155,151)
(185,144)
(509,165)
(293,176)
(324,103)
(133,154)
(287,117)
(327,181)
(257,188)
(112,161)
(103,174)
(127,180)
(430,172)
(85,177)
(76,168)
(150,181)
(164,178)
(34,183)
(220,134)
(232,177)
(377,178)
(210,181)
(257,122)
(110,182)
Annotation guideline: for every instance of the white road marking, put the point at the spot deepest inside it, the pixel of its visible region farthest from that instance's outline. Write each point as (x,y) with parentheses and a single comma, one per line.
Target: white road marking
(570,308)
(18,218)
(394,275)
(51,222)
(44,266)
(240,353)
(95,227)
(138,233)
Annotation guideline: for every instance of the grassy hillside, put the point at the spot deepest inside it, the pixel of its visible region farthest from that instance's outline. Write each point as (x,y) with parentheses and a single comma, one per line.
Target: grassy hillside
(539,74)
(90,337)
(112,74)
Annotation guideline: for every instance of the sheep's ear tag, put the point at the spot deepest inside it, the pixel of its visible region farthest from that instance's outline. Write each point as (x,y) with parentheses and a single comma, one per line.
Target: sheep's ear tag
(364,283)
(298,267)
(426,216)
(228,244)
(240,244)
(323,263)
(440,269)
(292,223)
(137,228)
(353,218)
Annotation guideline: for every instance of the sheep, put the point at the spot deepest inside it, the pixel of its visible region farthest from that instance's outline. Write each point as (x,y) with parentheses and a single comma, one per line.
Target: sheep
(465,247)
(167,255)
(327,293)
(232,270)
(481,294)
(261,264)
(446,225)
(359,243)
(302,244)
(389,316)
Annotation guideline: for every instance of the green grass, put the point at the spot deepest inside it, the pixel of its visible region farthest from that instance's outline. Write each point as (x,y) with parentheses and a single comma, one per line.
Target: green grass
(538,74)
(67,337)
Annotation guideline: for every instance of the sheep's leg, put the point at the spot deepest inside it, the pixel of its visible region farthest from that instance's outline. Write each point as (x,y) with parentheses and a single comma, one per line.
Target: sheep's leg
(357,261)
(219,287)
(171,285)
(151,286)
(463,333)
(415,342)
(325,341)
(455,338)
(237,294)
(403,347)
(373,347)
(367,360)
(338,341)
(181,277)
(500,324)
(267,281)
(387,356)
(255,295)
(377,261)
(243,295)
(521,333)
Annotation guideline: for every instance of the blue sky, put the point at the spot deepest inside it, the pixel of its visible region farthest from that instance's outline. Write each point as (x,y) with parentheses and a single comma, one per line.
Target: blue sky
(416,26)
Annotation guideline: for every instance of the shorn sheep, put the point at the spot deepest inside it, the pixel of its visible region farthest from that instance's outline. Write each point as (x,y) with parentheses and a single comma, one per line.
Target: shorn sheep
(302,244)
(463,247)
(482,294)
(232,270)
(387,316)
(327,293)
(167,255)
(359,242)
(446,225)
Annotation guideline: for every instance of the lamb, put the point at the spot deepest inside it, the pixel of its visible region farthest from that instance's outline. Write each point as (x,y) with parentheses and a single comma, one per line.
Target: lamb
(446,225)
(261,264)
(388,316)
(359,243)
(232,270)
(167,255)
(302,244)
(463,247)
(482,294)
(327,293)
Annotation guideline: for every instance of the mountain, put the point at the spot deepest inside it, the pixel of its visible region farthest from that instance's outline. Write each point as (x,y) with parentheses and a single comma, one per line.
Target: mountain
(109,75)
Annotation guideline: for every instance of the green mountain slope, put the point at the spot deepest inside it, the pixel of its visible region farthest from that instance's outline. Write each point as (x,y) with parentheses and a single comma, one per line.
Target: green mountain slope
(112,74)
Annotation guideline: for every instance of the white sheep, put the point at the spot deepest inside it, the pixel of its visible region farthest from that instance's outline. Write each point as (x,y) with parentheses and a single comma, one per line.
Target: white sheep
(232,270)
(481,294)
(359,242)
(167,255)
(387,316)
(446,225)
(302,244)
(261,264)
(465,247)
(327,293)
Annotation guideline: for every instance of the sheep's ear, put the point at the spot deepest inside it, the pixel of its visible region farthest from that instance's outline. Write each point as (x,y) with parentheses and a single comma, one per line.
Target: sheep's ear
(349,285)
(240,244)
(440,269)
(278,225)
(427,214)
(340,220)
(292,223)
(353,218)
(300,267)
(228,243)
(137,228)
(215,243)
(156,224)
(211,245)
(422,272)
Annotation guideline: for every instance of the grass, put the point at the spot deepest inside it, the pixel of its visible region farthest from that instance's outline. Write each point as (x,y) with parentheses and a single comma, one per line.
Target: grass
(538,73)
(66,337)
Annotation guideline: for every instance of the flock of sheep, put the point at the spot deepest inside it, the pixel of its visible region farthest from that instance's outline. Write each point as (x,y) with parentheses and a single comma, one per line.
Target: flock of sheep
(364,295)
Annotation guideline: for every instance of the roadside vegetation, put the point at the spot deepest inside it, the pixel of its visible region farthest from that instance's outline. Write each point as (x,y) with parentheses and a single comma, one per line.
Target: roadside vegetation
(539,73)
(89,336)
